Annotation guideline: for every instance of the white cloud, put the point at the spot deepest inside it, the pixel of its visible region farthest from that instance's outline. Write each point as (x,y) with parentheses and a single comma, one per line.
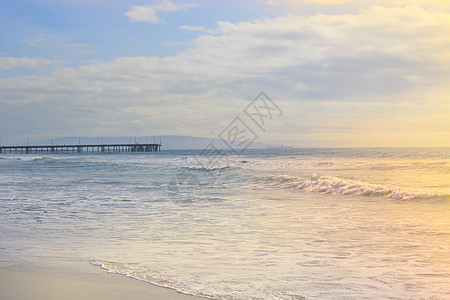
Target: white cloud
(354,72)
(9,63)
(293,3)
(149,13)
(198,28)
(83,48)
(414,78)
(35,42)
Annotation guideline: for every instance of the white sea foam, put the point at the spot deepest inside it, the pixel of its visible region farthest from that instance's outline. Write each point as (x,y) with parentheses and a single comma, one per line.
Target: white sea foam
(26,158)
(339,186)
(210,168)
(137,272)
(217,288)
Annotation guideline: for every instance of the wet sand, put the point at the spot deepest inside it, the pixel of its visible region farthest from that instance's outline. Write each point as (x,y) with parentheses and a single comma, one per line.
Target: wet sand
(92,285)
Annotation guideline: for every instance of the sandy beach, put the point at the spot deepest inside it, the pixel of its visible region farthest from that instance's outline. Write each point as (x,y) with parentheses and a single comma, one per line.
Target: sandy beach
(87,285)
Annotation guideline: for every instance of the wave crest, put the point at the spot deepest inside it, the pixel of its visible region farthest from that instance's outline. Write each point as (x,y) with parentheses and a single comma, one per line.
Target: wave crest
(210,169)
(31,158)
(145,274)
(339,186)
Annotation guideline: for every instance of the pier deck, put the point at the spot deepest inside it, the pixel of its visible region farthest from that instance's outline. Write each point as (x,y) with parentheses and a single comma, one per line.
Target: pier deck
(81,148)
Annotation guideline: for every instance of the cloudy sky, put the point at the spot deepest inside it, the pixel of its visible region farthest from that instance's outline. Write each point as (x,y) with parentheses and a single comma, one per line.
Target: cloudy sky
(344,72)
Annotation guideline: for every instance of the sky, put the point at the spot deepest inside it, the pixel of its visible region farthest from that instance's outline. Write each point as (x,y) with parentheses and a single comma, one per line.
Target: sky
(343,73)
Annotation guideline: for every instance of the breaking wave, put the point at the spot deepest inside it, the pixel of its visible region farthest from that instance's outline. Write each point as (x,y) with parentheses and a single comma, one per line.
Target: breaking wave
(210,169)
(135,271)
(210,289)
(27,158)
(338,186)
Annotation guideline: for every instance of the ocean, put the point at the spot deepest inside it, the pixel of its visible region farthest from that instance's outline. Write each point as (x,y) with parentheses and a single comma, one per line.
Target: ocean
(344,223)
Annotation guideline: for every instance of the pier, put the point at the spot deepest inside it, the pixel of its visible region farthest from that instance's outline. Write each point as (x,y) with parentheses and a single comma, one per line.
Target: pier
(112,148)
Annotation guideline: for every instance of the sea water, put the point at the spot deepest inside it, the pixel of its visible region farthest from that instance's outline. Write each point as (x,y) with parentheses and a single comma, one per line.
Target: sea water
(264,224)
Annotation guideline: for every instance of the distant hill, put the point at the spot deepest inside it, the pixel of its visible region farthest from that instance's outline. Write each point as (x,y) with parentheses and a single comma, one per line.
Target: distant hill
(168,141)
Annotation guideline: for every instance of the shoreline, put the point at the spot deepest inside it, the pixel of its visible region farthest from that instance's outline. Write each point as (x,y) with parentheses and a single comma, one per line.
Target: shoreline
(80,283)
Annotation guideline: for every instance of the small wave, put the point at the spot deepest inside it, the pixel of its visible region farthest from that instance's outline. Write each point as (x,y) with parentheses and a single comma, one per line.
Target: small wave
(285,181)
(25,158)
(339,186)
(281,178)
(210,169)
(194,285)
(143,274)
